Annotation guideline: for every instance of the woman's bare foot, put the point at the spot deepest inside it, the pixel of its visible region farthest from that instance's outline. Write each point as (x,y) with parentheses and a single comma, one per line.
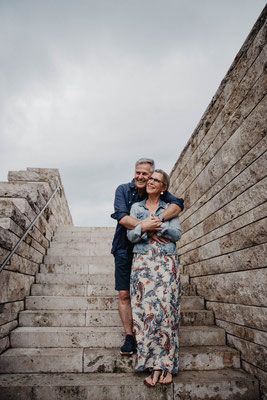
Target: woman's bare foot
(153,378)
(165,378)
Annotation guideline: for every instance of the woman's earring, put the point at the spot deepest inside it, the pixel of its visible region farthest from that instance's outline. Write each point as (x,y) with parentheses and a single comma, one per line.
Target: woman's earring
(161,193)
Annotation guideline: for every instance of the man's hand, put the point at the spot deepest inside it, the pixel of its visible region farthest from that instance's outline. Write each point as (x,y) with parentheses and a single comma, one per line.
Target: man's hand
(155,238)
(151,224)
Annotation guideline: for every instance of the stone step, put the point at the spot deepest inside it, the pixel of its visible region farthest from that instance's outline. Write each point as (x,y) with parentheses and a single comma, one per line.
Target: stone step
(83,229)
(96,260)
(36,360)
(88,234)
(190,359)
(81,245)
(82,236)
(94,251)
(27,360)
(95,303)
(75,278)
(42,289)
(105,337)
(91,269)
(189,290)
(71,278)
(104,318)
(88,290)
(228,384)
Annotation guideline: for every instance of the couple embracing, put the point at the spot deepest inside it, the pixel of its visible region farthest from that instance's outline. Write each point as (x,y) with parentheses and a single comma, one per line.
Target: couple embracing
(147,270)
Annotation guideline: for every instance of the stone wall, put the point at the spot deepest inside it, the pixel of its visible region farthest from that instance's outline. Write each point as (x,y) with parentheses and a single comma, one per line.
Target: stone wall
(221,174)
(21,199)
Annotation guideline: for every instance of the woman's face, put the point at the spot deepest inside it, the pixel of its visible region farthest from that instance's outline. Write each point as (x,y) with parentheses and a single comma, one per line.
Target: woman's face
(155,184)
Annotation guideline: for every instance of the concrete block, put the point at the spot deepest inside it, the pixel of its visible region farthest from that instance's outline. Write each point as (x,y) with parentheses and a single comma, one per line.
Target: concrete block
(85,252)
(250,352)
(14,286)
(244,259)
(98,231)
(104,260)
(52,318)
(221,223)
(95,318)
(8,241)
(244,174)
(189,290)
(249,316)
(95,303)
(9,225)
(64,269)
(222,385)
(104,337)
(82,386)
(247,236)
(67,337)
(198,317)
(11,311)
(233,287)
(107,318)
(41,360)
(70,303)
(252,335)
(19,264)
(79,244)
(190,359)
(210,385)
(42,289)
(259,374)
(7,328)
(4,344)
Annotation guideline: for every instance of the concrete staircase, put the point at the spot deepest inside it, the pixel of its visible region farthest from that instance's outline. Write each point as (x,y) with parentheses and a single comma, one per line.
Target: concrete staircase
(68,339)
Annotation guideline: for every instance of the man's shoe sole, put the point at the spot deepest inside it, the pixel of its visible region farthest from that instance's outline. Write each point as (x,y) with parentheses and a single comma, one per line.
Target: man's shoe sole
(126,354)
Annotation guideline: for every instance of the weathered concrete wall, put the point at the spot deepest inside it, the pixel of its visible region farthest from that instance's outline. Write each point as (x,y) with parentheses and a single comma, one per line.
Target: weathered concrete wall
(221,174)
(21,199)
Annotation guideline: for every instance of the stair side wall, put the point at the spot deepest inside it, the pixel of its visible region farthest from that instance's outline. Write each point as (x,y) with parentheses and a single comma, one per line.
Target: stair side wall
(221,174)
(21,199)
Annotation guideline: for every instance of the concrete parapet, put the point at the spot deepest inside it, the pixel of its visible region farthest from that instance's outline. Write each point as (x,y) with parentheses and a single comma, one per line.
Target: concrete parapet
(221,174)
(21,199)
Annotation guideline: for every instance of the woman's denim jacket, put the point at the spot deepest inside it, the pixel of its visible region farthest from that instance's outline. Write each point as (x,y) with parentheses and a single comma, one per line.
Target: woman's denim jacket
(170,229)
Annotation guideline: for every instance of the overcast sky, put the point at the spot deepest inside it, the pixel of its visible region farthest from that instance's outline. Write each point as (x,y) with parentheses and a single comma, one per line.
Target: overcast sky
(90,86)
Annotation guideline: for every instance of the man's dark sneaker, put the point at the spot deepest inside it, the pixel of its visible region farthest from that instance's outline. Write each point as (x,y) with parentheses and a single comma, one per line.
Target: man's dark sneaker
(129,346)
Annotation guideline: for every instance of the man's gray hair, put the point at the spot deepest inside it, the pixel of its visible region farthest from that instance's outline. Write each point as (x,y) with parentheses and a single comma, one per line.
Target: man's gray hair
(146,161)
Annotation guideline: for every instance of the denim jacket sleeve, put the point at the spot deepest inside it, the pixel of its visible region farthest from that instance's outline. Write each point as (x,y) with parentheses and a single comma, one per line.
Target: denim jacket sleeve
(171,230)
(135,235)
(121,207)
(171,199)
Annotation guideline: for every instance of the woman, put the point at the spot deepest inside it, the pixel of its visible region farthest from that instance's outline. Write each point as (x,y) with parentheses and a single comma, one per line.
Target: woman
(155,287)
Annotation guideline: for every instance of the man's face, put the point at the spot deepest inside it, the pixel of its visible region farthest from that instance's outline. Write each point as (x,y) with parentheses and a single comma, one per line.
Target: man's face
(142,173)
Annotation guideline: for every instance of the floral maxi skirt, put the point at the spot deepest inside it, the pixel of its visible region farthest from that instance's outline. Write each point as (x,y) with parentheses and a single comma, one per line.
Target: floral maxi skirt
(155,298)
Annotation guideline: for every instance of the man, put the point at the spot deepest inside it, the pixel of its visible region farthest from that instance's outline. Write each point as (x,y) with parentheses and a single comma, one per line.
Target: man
(125,196)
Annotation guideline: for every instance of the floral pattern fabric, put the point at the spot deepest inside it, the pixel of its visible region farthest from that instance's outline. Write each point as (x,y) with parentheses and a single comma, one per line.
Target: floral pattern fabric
(155,299)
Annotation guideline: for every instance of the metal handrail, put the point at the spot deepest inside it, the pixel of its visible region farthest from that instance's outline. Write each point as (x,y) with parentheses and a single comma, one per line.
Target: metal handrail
(28,230)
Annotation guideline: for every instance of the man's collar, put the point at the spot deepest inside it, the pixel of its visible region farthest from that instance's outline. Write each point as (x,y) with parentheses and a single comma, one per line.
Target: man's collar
(132,184)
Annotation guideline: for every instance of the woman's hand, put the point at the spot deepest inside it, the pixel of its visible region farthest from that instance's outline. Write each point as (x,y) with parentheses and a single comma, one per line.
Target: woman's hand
(151,224)
(155,238)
